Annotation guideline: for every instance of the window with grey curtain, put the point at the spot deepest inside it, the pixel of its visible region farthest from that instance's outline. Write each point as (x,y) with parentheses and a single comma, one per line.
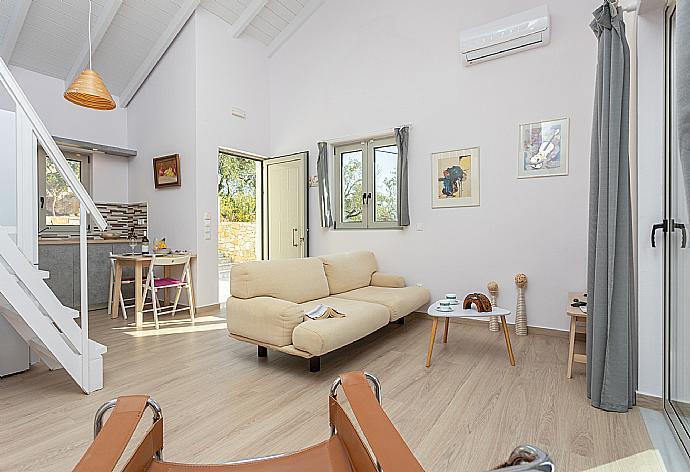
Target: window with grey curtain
(401,139)
(611,311)
(324,187)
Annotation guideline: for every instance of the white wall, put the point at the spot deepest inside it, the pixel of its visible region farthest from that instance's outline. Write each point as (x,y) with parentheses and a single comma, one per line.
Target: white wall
(230,73)
(109,178)
(64,119)
(8,176)
(185,107)
(160,121)
(357,67)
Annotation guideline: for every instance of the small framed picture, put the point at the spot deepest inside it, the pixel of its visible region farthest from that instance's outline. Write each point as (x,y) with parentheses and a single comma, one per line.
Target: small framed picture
(543,149)
(455,178)
(166,171)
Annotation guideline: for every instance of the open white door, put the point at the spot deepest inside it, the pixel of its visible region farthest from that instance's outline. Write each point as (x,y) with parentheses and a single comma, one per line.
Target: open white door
(285,200)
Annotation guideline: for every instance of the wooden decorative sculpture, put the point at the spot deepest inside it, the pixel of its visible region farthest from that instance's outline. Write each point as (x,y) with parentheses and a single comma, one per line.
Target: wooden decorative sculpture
(521,310)
(480,302)
(493,295)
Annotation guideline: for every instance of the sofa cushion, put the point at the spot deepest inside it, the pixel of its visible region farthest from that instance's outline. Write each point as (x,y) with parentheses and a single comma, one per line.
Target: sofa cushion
(399,301)
(264,319)
(379,279)
(349,271)
(318,337)
(295,280)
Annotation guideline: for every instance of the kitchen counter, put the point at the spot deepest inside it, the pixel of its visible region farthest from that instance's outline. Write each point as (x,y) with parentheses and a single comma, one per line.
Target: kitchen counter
(75,240)
(60,257)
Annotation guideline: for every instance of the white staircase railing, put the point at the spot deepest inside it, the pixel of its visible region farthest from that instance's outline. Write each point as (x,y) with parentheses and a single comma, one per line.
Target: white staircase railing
(31,307)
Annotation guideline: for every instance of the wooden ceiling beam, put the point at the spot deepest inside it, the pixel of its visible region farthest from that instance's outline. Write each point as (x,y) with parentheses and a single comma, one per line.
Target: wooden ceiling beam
(157,51)
(302,16)
(250,12)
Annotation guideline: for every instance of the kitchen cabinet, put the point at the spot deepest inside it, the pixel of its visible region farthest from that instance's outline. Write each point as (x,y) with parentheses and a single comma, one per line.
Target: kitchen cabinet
(58,260)
(61,260)
(99,275)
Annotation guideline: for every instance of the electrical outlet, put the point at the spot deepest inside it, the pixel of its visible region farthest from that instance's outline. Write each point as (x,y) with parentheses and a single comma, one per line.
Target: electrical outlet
(238,112)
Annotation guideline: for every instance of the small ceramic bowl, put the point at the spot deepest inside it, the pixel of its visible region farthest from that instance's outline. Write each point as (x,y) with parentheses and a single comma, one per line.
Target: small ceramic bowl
(444,305)
(452,298)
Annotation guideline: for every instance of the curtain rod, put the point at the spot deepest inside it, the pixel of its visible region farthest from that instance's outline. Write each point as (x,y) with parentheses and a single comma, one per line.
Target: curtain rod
(362,136)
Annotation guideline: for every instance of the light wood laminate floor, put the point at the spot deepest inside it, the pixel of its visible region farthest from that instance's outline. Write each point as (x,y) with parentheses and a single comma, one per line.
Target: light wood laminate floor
(221,402)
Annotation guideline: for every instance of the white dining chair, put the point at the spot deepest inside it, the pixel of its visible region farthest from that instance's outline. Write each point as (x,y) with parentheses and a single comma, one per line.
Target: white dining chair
(125,281)
(153,285)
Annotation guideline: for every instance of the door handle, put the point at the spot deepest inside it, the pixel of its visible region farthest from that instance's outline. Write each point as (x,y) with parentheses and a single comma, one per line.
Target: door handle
(364,198)
(43,202)
(368,196)
(663,226)
(294,232)
(681,227)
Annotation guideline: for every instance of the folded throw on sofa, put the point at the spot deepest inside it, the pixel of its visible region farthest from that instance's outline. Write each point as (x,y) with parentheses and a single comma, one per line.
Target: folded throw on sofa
(321,312)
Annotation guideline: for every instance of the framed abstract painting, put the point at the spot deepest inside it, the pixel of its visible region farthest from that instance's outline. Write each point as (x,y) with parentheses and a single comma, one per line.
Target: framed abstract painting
(455,178)
(543,149)
(166,171)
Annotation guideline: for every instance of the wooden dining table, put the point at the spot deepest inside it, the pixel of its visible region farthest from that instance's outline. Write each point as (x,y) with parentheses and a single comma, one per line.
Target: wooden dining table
(139,262)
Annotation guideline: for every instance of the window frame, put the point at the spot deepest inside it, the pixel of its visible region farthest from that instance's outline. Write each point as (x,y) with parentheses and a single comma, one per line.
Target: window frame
(367,149)
(86,160)
(339,151)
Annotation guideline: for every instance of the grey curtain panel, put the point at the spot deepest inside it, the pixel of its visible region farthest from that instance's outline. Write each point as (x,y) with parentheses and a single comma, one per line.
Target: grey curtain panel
(682,86)
(401,139)
(611,311)
(324,187)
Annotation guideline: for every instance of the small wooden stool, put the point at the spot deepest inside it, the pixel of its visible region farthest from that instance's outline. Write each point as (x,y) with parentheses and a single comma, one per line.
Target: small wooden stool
(576,315)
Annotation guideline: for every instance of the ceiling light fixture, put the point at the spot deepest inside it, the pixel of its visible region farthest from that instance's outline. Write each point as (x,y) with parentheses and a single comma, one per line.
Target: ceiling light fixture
(88,89)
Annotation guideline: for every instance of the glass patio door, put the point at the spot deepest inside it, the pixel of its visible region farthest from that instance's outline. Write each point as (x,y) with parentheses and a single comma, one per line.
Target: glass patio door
(677,273)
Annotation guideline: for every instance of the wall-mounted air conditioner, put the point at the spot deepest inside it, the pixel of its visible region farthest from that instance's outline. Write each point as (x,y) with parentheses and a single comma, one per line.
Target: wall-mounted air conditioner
(527,30)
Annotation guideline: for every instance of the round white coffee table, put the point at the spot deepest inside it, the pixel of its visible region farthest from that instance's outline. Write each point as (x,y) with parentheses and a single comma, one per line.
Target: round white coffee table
(459,312)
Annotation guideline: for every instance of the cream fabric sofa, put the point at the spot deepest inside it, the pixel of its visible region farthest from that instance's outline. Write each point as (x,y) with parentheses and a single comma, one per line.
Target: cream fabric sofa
(269,299)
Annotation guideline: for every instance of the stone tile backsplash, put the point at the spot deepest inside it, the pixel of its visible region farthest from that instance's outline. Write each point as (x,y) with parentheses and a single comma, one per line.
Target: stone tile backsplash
(123,216)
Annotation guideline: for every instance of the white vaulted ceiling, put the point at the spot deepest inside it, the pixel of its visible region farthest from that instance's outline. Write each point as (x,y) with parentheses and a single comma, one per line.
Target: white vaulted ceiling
(129,36)
(267,19)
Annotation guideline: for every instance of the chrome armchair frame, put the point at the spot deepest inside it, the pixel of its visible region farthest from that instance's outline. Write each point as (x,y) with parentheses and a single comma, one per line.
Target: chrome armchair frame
(528,459)
(369,376)
(524,458)
(109,405)
(377,391)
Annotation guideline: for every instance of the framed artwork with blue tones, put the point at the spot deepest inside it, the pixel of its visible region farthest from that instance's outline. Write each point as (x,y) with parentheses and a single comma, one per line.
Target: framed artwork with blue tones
(543,149)
(455,178)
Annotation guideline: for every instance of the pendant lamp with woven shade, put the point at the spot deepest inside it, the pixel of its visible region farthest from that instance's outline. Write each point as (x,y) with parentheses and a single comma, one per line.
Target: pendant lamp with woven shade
(88,89)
